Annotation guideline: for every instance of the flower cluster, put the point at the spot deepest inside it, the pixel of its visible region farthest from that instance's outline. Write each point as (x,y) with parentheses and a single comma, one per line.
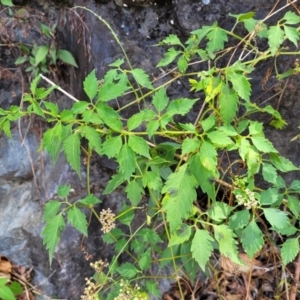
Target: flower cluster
(90,289)
(248,199)
(107,219)
(98,265)
(129,293)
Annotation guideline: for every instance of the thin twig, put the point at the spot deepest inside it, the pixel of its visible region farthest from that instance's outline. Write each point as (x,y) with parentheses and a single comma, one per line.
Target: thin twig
(59,88)
(295,285)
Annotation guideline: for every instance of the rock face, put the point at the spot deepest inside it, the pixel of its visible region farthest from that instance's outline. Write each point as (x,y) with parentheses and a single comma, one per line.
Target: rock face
(28,178)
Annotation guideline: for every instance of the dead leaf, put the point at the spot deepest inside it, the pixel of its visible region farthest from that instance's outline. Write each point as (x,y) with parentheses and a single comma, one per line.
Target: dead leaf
(5,265)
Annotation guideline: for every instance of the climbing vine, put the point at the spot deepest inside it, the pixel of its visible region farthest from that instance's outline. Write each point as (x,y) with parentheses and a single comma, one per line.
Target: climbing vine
(165,161)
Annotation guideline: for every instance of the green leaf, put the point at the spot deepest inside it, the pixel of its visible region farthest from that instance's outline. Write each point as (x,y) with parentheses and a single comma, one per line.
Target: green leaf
(152,288)
(160,100)
(67,57)
(50,210)
(117,63)
(281,163)
(295,185)
(16,288)
(208,156)
(171,39)
(80,107)
(227,245)
(239,219)
(269,196)
(292,34)
(51,234)
(7,2)
(71,147)
(139,145)
(240,84)
(269,173)
(41,54)
(276,217)
(219,211)
(180,195)
(202,247)
(53,108)
(63,191)
(93,138)
(126,159)
(152,126)
(145,260)
(111,147)
(262,144)
(252,239)
(152,180)
(181,235)
(217,36)
(219,139)
(110,91)
(109,116)
(149,236)
(134,192)
(228,102)
(135,120)
(116,180)
(241,17)
(78,219)
(90,200)
(142,78)
(5,291)
(169,57)
(127,270)
(275,38)
(208,123)
(180,107)
(202,175)
(182,64)
(21,60)
(289,250)
(190,145)
(90,85)
(294,205)
(291,18)
(126,215)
